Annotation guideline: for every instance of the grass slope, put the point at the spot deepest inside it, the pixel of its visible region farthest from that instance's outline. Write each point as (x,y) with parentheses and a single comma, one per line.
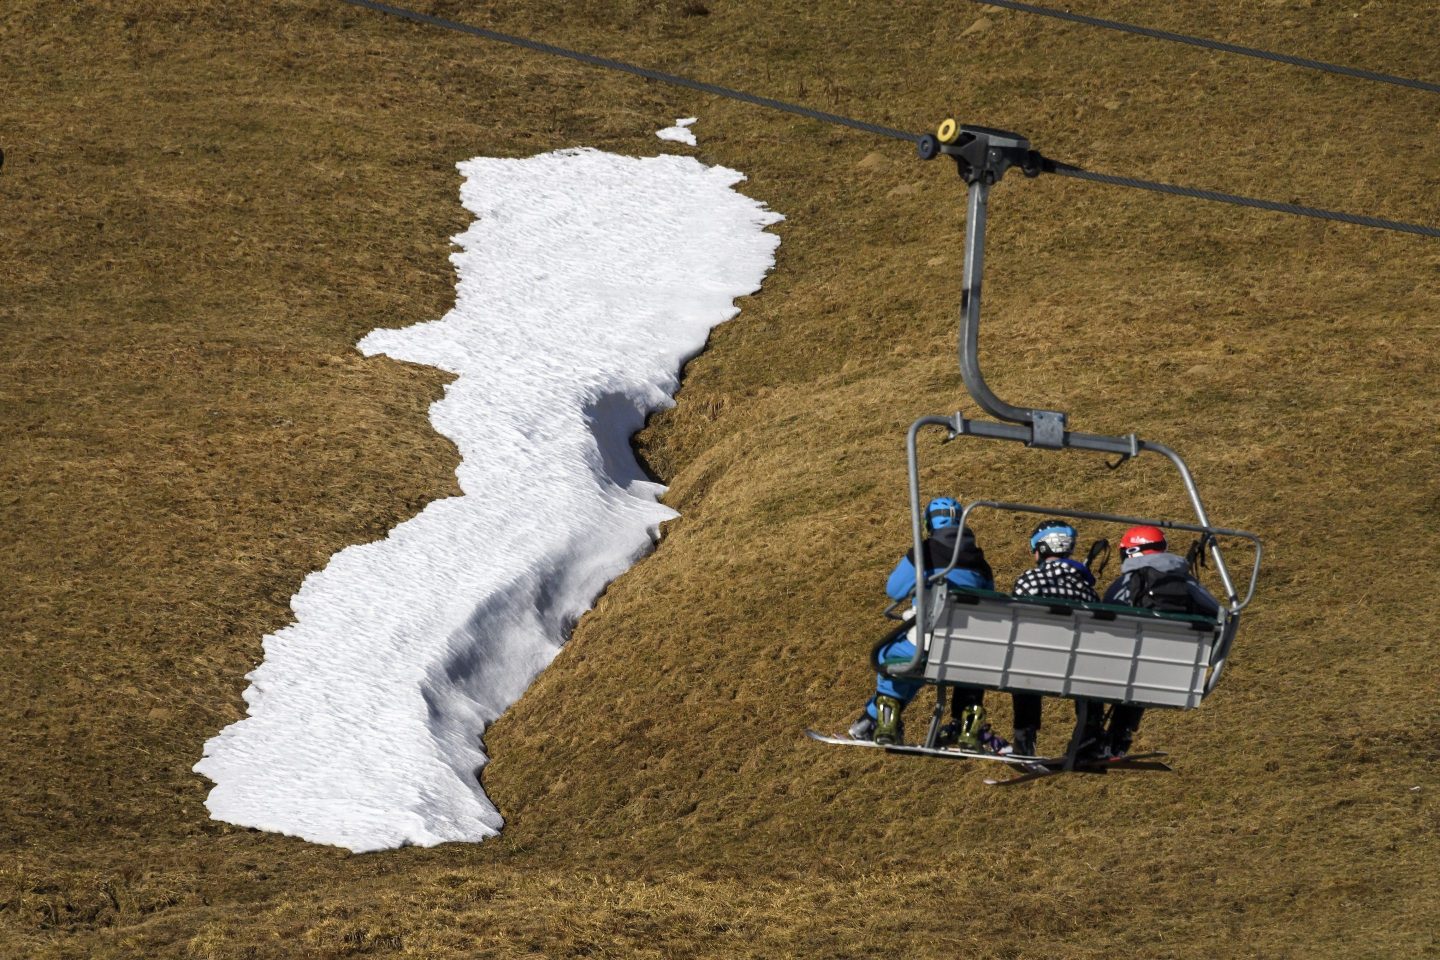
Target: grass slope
(206,205)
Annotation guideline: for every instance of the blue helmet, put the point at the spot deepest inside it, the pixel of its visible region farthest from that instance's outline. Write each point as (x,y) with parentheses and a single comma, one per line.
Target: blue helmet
(1053,538)
(942,512)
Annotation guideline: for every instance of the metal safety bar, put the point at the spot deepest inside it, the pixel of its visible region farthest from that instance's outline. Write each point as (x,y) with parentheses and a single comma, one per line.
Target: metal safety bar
(1117,518)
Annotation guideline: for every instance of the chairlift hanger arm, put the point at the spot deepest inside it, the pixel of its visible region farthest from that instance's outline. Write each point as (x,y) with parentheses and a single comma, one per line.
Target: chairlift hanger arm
(982,156)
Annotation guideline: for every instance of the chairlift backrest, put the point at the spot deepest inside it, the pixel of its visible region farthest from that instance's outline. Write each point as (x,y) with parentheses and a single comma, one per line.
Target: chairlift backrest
(1068,649)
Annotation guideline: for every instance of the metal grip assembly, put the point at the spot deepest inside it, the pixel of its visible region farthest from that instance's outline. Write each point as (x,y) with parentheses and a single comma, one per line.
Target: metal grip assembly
(981,154)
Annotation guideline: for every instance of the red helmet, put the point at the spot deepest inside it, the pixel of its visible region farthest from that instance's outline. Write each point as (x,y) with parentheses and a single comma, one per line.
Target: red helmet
(1141,540)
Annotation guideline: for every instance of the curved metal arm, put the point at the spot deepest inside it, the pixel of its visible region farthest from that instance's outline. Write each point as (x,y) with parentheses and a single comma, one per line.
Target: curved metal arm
(979,201)
(1205,521)
(1047,426)
(1221,654)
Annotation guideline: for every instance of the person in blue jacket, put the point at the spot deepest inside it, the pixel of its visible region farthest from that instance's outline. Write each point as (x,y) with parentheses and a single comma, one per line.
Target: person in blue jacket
(881,720)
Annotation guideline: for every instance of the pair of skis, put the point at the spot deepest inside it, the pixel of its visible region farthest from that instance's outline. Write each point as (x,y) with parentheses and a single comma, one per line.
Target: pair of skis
(1026,768)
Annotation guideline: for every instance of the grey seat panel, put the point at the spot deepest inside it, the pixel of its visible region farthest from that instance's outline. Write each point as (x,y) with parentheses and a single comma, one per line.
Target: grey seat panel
(1067,650)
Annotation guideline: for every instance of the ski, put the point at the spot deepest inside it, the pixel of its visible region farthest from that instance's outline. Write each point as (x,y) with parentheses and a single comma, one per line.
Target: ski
(1136,761)
(946,753)
(1027,768)
(1023,777)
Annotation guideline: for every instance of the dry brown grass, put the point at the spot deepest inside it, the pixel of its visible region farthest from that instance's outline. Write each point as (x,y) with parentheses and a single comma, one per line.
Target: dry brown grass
(206,205)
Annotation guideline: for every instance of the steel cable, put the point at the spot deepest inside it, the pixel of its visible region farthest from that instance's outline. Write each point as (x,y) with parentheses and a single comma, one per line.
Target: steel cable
(645,72)
(1212,44)
(1066,170)
(1050,166)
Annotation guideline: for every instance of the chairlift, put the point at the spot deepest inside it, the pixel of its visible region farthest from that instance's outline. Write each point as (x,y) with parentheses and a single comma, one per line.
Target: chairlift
(1081,651)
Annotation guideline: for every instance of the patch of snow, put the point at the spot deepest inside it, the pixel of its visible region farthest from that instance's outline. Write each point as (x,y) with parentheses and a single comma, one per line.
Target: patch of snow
(680,133)
(585,283)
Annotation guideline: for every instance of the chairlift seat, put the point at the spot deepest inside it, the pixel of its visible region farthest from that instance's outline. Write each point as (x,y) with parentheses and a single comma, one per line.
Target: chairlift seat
(1069,648)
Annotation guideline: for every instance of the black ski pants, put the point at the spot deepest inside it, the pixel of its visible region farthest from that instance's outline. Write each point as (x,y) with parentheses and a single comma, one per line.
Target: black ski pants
(1027,711)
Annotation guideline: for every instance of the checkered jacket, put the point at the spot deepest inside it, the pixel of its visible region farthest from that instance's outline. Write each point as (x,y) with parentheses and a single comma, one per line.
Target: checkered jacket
(1059,578)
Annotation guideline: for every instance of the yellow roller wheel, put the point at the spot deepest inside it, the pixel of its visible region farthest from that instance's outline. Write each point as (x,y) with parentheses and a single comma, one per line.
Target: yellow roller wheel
(948,131)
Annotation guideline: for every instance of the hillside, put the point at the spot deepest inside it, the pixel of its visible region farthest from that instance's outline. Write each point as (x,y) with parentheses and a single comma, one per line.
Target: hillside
(207,206)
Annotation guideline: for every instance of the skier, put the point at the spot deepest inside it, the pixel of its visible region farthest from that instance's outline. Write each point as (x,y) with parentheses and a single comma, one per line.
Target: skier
(1055,575)
(1154,579)
(881,719)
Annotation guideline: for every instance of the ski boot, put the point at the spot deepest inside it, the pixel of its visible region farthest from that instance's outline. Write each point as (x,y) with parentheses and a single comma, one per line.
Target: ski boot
(964,730)
(1022,742)
(992,742)
(863,728)
(1094,742)
(889,728)
(948,734)
(1118,743)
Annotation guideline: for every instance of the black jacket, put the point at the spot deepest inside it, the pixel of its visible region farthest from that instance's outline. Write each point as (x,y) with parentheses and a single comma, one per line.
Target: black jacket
(941,544)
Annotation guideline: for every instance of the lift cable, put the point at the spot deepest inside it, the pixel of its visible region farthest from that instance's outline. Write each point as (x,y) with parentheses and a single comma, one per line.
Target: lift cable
(1212,44)
(645,72)
(1049,166)
(1379,223)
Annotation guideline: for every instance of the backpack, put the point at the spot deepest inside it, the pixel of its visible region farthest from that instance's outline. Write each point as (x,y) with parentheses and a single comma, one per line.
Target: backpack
(1162,592)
